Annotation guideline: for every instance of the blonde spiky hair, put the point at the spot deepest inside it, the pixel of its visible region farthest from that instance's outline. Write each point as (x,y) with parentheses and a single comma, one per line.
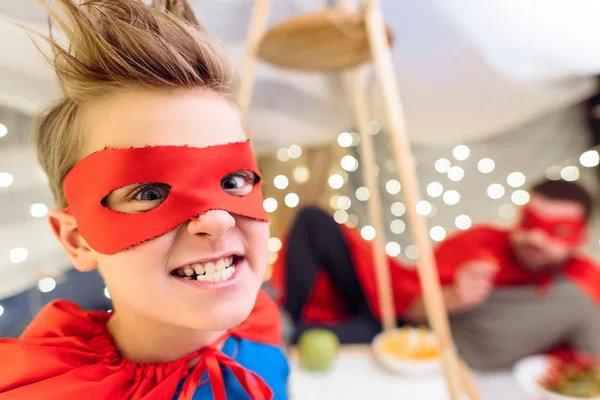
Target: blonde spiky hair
(117,45)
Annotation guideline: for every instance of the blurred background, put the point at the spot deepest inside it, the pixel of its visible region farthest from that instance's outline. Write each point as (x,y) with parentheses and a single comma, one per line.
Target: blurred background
(497,95)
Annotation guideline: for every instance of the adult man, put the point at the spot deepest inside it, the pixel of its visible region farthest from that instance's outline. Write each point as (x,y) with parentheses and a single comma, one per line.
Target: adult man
(510,292)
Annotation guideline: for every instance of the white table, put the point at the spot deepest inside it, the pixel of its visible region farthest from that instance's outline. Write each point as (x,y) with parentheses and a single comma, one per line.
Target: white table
(356,375)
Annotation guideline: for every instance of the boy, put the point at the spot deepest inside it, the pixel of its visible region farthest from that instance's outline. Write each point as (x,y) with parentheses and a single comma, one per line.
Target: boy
(157,187)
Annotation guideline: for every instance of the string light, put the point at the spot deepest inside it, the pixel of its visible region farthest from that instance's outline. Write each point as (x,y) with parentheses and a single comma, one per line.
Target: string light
(352,221)
(374,127)
(456,173)
(38,210)
(507,211)
(486,165)
(106,293)
(463,222)
(437,233)
(443,165)
(270,205)
(398,209)
(515,179)
(46,285)
(393,249)
(355,139)
(424,207)
(283,154)
(336,181)
(3,130)
(345,139)
(295,151)
(18,255)
(570,173)
(451,197)
(495,191)
(520,197)
(349,163)
(274,244)
(368,232)
(291,200)
(461,152)
(344,203)
(340,216)
(393,186)
(435,189)
(412,252)
(6,179)
(553,173)
(362,193)
(590,159)
(1,310)
(301,174)
(281,182)
(398,226)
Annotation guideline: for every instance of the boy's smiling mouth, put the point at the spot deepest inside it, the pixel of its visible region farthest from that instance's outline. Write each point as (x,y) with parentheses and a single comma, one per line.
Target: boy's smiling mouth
(218,270)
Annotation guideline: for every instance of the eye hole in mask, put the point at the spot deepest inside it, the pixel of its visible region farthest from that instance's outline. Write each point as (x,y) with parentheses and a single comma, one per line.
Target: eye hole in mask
(239,183)
(137,198)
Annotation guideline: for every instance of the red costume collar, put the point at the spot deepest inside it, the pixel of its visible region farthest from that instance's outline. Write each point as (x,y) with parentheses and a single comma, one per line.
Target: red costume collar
(70,353)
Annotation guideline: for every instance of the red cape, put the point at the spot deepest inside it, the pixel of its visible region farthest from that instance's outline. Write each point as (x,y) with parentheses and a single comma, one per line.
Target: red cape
(484,242)
(67,353)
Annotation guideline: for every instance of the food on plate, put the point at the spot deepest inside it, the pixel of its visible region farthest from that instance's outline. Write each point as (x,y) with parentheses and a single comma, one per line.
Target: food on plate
(317,349)
(579,377)
(410,343)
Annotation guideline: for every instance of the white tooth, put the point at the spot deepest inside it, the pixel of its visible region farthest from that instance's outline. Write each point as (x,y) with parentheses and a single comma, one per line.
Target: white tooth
(216,277)
(188,271)
(179,272)
(229,261)
(187,278)
(224,275)
(199,269)
(201,278)
(210,277)
(230,271)
(221,265)
(210,268)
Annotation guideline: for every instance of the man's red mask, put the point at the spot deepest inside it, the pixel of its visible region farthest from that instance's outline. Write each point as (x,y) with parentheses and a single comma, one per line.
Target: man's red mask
(568,230)
(195,178)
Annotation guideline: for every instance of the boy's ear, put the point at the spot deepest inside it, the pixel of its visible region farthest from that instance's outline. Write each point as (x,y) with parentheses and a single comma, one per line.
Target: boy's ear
(64,227)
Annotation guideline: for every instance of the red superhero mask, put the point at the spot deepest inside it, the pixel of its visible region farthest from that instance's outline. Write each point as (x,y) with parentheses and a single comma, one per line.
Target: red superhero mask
(567,230)
(194,175)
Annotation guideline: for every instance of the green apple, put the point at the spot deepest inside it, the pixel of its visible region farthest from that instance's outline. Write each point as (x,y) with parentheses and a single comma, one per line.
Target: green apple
(317,349)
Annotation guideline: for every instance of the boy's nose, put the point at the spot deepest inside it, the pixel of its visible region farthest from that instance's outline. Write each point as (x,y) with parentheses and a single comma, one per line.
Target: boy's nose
(213,223)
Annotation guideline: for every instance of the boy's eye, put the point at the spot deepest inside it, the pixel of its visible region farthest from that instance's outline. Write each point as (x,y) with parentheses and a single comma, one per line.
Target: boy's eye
(239,183)
(153,192)
(137,198)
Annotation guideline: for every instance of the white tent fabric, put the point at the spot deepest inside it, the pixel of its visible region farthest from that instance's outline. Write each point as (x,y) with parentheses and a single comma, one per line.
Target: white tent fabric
(532,40)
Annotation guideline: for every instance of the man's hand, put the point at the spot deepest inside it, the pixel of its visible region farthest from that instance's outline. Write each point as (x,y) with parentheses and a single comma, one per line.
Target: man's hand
(474,283)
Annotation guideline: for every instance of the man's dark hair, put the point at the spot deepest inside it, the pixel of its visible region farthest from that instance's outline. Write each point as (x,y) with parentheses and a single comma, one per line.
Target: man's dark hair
(564,190)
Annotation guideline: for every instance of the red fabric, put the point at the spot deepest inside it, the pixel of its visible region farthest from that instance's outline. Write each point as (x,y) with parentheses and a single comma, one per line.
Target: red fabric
(194,175)
(570,231)
(69,354)
(485,242)
(477,243)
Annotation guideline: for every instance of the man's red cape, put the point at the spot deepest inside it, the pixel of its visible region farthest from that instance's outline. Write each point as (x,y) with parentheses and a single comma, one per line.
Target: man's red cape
(478,243)
(67,353)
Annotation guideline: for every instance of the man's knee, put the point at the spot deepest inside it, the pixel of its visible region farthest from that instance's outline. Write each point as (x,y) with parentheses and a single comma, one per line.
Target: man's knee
(313,215)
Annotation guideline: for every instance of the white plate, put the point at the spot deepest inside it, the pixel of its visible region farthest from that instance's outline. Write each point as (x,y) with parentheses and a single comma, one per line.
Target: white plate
(528,373)
(407,366)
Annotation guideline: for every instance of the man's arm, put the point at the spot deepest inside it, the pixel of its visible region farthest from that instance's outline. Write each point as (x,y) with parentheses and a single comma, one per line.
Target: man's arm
(473,285)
